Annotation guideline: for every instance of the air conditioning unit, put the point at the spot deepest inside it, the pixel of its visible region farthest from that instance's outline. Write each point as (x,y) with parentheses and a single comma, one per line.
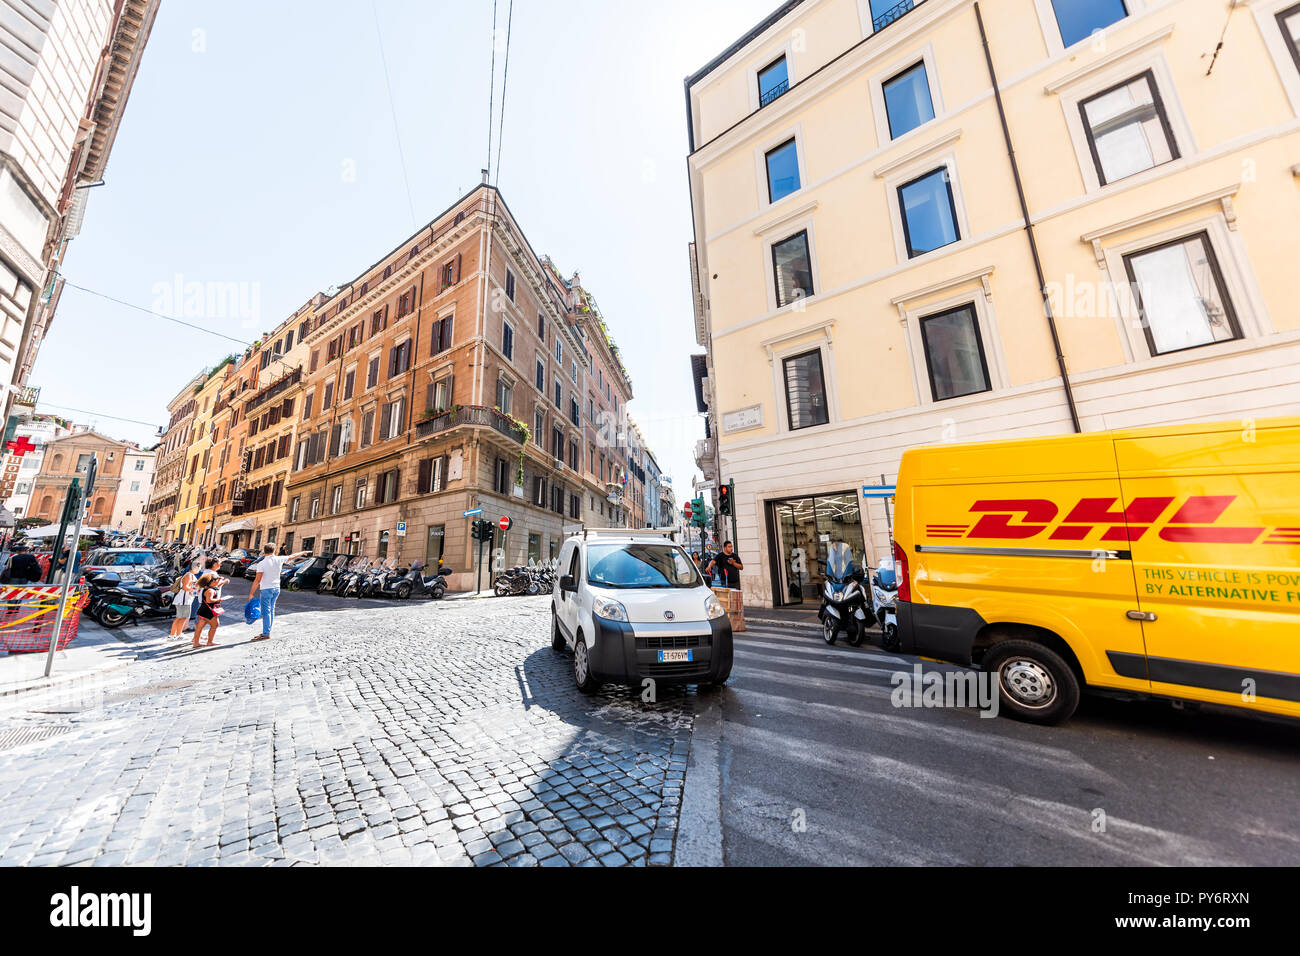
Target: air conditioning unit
(559,464)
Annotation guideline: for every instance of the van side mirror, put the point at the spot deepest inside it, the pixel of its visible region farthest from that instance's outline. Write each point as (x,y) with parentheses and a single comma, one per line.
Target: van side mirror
(568,584)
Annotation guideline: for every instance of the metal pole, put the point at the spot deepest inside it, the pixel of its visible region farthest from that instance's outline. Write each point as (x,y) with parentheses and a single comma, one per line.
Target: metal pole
(74,494)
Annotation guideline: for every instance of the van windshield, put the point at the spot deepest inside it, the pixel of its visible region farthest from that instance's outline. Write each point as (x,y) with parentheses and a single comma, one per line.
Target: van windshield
(640,567)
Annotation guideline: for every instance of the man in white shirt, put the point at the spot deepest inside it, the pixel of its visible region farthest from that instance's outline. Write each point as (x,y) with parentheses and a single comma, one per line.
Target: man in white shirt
(266,585)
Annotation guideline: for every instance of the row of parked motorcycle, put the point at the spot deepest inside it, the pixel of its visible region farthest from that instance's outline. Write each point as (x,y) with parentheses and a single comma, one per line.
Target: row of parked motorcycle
(532,580)
(852,596)
(361,577)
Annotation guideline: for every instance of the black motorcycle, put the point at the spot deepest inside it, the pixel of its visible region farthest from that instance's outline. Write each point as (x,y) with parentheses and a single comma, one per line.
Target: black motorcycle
(114,603)
(415,582)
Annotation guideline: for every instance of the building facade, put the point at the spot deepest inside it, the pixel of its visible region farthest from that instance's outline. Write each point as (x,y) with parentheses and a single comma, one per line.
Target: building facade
(21,470)
(69,457)
(138,467)
(172,454)
(190,496)
(880,263)
(69,68)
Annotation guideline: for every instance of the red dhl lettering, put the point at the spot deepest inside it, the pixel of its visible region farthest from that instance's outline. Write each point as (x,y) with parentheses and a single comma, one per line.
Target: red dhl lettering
(1195,520)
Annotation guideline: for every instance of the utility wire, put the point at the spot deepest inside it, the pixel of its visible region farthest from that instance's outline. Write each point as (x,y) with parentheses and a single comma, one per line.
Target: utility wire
(156,315)
(392,107)
(492,88)
(505,79)
(82,411)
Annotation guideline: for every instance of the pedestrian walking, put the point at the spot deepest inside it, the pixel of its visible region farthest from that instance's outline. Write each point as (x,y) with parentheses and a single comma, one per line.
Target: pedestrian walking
(185,599)
(728,566)
(266,585)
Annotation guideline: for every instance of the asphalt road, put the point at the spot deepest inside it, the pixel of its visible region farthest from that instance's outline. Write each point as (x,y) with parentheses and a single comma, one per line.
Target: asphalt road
(811,764)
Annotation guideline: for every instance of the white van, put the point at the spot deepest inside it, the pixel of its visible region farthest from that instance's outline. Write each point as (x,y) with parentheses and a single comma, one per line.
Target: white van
(632,605)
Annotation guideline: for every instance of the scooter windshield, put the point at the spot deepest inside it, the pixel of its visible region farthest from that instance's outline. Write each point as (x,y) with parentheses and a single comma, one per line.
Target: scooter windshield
(839,559)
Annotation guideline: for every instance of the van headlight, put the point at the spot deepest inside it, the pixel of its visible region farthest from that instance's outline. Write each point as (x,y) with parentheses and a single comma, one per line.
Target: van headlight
(713,608)
(609,610)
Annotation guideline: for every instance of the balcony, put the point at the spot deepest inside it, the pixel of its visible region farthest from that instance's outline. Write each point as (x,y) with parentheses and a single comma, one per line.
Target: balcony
(473,416)
(704,452)
(775,92)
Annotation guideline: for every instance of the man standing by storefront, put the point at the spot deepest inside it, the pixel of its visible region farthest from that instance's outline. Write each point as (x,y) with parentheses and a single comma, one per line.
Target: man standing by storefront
(728,566)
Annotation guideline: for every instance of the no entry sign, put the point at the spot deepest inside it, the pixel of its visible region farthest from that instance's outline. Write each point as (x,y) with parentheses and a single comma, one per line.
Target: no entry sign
(506,524)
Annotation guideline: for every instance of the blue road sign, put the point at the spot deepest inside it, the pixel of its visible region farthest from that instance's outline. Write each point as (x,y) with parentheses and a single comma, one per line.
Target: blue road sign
(879,491)
(472,514)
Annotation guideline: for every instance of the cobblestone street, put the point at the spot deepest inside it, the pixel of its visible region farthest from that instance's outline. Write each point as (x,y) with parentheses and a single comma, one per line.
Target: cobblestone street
(414,733)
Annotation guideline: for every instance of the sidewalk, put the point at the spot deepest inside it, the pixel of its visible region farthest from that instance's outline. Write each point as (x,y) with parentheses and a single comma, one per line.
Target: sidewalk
(95,652)
(801,618)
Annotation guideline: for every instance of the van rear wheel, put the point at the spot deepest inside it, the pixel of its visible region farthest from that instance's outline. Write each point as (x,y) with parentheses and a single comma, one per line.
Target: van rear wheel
(1035,683)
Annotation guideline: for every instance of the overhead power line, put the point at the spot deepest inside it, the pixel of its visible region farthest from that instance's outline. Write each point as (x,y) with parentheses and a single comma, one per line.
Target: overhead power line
(82,411)
(156,315)
(492,88)
(392,107)
(505,80)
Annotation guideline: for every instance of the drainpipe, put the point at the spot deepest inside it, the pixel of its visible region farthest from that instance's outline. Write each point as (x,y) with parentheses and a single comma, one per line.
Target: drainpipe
(1029,229)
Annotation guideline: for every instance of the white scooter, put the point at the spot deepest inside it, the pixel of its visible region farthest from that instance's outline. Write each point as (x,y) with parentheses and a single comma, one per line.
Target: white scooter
(884,603)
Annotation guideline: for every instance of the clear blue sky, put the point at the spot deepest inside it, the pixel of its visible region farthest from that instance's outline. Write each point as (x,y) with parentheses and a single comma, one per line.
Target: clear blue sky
(232,165)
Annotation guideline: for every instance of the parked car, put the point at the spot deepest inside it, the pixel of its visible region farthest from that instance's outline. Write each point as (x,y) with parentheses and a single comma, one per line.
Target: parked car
(307,575)
(235,563)
(632,606)
(123,561)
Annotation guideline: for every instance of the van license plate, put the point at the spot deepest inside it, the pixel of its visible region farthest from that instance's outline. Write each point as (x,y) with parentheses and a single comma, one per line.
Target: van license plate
(676,657)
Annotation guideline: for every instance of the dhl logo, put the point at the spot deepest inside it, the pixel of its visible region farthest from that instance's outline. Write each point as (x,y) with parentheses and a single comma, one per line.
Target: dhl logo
(1195,520)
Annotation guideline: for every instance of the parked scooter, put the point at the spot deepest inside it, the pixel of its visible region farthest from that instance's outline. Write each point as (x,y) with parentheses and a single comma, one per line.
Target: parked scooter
(115,602)
(843,608)
(329,581)
(352,580)
(376,581)
(434,586)
(884,603)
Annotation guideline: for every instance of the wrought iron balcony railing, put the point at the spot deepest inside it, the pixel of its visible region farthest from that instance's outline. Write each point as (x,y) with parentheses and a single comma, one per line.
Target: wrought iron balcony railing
(472,415)
(892,14)
(775,93)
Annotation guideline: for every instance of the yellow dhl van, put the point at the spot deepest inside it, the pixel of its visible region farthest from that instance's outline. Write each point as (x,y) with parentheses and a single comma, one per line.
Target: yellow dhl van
(1160,561)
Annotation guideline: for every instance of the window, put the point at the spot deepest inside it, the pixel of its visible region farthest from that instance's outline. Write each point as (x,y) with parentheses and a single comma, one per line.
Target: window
(328,399)
(406,304)
(379,321)
(440,395)
(575,415)
(359,494)
(83,463)
(559,350)
(1079,19)
(441,337)
(367,428)
(510,285)
(541,376)
(315,507)
(929,213)
(1289,21)
(805,390)
(372,373)
(336,500)
(382,552)
(907,100)
(388,487)
(306,407)
(782,171)
(507,341)
(434,545)
(429,480)
(1181,296)
(399,359)
(504,396)
(349,381)
(573,370)
(559,393)
(293,508)
(541,327)
(792,268)
(773,81)
(539,422)
(139,464)
(502,481)
(390,419)
(954,354)
(1128,130)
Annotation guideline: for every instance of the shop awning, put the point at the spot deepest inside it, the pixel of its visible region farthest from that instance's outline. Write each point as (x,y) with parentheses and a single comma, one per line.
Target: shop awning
(244,524)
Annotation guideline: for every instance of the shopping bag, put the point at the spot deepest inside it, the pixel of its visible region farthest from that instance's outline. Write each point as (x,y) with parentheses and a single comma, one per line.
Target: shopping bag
(252,611)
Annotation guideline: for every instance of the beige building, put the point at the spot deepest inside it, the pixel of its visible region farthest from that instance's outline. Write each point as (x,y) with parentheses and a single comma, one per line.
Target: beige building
(879,265)
(69,457)
(68,68)
(133,490)
(170,463)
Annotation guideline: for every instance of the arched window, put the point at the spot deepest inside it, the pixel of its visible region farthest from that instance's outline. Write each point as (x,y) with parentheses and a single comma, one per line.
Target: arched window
(46,504)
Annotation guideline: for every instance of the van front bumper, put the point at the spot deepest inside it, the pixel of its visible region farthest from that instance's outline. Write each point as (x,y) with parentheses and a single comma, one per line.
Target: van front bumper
(932,630)
(621,656)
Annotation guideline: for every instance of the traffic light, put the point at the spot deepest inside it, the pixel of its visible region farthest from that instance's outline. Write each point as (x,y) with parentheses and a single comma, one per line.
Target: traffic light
(482,530)
(724,501)
(699,516)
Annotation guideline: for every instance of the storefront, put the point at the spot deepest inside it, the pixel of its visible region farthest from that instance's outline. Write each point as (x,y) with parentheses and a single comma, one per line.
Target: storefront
(799,531)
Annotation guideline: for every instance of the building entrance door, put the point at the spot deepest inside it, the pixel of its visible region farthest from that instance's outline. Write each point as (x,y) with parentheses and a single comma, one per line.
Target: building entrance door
(799,533)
